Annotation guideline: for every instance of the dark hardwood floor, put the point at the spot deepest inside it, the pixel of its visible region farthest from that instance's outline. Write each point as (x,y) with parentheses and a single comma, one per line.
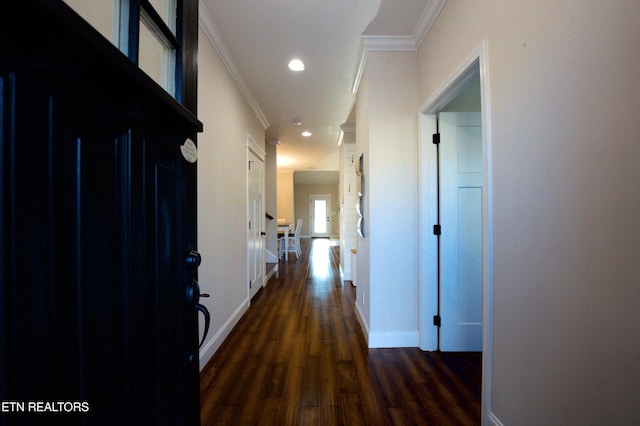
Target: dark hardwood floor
(299,357)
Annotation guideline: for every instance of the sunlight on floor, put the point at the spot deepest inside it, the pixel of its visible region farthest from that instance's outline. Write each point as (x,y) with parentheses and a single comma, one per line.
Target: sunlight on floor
(319,258)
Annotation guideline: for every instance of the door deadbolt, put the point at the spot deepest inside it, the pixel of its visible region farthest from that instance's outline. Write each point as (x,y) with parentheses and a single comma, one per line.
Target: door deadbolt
(193,259)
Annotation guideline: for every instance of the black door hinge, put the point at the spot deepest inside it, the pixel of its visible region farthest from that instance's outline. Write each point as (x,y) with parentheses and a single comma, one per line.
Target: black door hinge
(436,138)
(436,320)
(437,230)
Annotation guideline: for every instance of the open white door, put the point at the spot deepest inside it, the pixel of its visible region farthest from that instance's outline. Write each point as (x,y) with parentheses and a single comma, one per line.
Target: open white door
(461,186)
(256,226)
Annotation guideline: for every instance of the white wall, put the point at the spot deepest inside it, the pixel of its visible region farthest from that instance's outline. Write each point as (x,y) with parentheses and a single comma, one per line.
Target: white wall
(387,260)
(222,194)
(565,104)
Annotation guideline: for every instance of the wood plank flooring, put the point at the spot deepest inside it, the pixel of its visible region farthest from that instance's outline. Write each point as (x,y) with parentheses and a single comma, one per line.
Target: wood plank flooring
(299,357)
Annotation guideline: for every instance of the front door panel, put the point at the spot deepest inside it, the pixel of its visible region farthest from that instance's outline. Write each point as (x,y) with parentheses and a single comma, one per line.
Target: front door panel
(98,217)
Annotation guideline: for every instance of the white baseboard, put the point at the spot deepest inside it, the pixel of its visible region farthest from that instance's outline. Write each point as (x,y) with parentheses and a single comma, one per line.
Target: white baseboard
(213,344)
(345,277)
(493,420)
(363,323)
(270,274)
(393,339)
(271,258)
(387,339)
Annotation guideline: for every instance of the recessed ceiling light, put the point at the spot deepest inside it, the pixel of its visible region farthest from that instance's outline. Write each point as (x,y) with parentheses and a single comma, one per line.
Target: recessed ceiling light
(296,65)
(306,134)
(297,122)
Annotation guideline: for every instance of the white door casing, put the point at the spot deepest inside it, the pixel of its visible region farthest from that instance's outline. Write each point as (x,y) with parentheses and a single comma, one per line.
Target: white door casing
(256,226)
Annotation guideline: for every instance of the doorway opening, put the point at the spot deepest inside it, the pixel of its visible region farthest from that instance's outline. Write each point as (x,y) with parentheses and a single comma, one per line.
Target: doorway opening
(256,226)
(320,216)
(456,308)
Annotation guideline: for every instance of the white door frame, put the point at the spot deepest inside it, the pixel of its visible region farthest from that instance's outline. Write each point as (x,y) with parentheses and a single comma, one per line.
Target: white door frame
(260,153)
(477,61)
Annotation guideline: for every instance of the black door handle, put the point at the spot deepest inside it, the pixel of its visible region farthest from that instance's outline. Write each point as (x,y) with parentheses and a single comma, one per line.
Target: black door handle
(207,321)
(263,233)
(193,296)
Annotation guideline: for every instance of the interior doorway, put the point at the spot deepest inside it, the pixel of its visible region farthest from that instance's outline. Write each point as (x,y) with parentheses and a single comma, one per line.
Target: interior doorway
(472,71)
(320,216)
(256,229)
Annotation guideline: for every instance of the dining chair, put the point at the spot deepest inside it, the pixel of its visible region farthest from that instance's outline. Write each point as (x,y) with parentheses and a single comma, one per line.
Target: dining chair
(291,243)
(296,237)
(283,233)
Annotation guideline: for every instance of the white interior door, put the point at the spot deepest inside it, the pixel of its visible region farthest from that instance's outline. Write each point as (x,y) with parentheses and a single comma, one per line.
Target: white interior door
(461,186)
(256,226)
(320,216)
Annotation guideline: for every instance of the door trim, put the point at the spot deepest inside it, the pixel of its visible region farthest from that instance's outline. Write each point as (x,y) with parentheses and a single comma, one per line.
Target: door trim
(475,62)
(260,153)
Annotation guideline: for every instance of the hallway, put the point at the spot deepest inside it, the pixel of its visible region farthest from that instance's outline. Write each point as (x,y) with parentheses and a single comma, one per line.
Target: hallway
(299,357)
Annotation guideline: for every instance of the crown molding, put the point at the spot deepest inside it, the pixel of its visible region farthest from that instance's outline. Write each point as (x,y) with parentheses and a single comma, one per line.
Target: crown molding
(362,62)
(340,137)
(427,20)
(345,128)
(215,38)
(397,43)
(372,43)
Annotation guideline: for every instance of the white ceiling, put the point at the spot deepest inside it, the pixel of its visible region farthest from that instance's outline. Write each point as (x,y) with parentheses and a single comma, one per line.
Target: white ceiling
(258,38)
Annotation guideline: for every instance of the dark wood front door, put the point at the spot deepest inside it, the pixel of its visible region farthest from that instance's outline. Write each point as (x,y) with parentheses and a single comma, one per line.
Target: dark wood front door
(98,321)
